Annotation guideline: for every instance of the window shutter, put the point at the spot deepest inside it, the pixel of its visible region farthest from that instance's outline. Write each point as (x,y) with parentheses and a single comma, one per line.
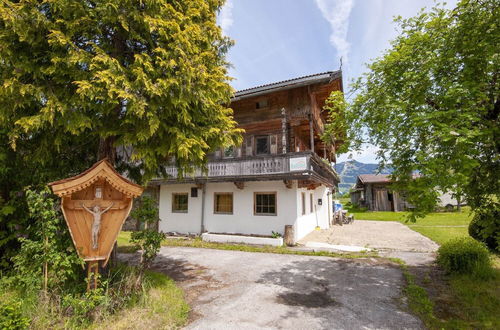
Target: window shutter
(238,152)
(274,143)
(249,146)
(218,154)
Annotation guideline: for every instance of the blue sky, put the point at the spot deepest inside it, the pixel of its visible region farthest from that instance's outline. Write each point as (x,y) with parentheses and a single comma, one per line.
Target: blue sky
(282,39)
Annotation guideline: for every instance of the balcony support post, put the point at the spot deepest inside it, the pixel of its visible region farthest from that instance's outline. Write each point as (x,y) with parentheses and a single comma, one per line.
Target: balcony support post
(311,132)
(283,130)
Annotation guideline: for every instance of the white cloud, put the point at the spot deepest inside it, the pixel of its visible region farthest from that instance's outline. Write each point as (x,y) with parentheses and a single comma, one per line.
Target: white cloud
(367,155)
(226,16)
(337,12)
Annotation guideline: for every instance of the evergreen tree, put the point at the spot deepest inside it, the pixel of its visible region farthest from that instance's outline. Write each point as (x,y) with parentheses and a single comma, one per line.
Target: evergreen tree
(143,83)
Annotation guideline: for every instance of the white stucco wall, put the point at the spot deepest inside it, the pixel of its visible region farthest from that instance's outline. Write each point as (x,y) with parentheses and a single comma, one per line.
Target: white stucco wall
(308,222)
(243,220)
(179,222)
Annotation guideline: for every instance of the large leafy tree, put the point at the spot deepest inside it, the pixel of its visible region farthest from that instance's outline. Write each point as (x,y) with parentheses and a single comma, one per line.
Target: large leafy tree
(148,77)
(432,104)
(143,83)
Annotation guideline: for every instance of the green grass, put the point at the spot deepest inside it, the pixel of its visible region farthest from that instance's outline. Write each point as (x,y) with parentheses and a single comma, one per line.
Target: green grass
(478,301)
(124,239)
(124,246)
(438,226)
(464,301)
(161,305)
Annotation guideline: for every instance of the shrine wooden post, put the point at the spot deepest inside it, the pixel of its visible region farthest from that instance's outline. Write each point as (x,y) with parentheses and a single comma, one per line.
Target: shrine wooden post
(95,205)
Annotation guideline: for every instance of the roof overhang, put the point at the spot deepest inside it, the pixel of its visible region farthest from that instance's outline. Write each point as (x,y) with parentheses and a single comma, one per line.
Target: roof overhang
(102,170)
(325,77)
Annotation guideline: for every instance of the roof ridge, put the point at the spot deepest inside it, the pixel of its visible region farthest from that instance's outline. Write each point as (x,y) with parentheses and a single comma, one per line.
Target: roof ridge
(286,80)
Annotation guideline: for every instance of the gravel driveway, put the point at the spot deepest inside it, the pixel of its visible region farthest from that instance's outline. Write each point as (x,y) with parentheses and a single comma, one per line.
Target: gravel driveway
(242,290)
(391,238)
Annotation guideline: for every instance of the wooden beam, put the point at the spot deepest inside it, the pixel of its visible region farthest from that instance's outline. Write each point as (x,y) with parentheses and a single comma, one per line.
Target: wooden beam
(239,184)
(311,132)
(309,184)
(288,183)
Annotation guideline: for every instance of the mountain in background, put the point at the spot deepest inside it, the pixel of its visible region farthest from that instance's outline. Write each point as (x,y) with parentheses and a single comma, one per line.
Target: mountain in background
(349,171)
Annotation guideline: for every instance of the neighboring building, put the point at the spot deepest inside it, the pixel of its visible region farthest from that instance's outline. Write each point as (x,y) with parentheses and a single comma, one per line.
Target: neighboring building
(374,192)
(279,176)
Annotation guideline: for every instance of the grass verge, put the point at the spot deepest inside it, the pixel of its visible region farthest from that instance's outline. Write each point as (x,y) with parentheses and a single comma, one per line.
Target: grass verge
(160,305)
(163,307)
(455,302)
(124,246)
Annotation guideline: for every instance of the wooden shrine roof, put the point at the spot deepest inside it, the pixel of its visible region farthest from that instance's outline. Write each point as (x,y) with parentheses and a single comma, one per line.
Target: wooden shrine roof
(100,170)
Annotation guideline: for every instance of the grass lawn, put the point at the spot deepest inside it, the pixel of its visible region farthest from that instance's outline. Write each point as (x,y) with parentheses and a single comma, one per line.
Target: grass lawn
(438,226)
(124,246)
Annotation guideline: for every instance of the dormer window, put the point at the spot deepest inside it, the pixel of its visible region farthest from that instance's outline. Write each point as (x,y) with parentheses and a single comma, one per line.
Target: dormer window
(261,104)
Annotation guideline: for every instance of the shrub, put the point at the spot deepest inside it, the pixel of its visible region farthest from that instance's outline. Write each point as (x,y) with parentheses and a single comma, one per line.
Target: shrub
(11,317)
(275,234)
(148,240)
(47,250)
(465,256)
(485,227)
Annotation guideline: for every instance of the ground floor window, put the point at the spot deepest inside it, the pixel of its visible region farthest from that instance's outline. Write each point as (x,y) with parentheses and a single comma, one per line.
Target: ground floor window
(311,202)
(303,203)
(223,203)
(180,202)
(265,203)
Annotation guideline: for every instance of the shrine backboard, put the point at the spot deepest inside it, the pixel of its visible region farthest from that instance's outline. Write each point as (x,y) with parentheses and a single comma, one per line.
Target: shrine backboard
(95,205)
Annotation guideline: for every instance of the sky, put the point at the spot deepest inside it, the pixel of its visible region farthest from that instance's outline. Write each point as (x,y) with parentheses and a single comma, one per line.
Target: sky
(282,39)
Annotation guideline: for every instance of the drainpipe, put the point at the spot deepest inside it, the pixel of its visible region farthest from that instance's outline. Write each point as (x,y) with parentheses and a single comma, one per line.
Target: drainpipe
(203,188)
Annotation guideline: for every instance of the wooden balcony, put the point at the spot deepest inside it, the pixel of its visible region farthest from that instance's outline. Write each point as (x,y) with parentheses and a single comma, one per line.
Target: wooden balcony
(306,166)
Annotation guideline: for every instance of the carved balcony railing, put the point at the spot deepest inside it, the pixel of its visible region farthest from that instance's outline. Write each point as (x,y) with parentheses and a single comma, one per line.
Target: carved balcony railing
(295,165)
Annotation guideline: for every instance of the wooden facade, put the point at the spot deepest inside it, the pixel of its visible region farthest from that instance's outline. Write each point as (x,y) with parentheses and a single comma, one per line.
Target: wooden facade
(374,193)
(282,122)
(288,117)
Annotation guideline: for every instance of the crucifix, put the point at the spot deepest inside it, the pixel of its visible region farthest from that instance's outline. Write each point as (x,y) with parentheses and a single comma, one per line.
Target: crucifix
(96,212)
(95,204)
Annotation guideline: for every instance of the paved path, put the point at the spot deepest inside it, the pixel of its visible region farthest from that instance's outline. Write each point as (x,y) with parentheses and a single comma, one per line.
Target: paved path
(390,238)
(242,290)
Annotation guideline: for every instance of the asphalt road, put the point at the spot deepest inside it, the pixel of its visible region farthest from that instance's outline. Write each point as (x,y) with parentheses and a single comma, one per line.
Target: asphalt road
(241,290)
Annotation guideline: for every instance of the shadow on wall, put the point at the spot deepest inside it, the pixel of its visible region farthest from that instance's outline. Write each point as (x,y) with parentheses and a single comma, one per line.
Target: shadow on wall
(343,294)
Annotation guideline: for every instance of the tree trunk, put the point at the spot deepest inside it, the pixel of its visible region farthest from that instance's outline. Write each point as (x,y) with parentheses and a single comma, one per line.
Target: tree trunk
(107,149)
(459,203)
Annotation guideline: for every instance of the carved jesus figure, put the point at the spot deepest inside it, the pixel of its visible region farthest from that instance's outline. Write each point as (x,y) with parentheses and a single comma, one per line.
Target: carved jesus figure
(96,224)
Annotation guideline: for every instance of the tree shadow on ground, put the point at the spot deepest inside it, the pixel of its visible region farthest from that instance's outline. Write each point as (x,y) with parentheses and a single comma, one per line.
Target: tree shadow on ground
(343,293)
(180,270)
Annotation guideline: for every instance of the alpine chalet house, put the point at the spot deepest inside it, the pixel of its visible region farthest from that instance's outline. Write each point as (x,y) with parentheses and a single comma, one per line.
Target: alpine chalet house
(280,176)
